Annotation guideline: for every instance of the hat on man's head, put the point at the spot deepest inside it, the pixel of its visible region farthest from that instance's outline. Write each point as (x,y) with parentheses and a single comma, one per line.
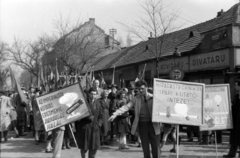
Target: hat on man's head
(3,92)
(37,89)
(114,85)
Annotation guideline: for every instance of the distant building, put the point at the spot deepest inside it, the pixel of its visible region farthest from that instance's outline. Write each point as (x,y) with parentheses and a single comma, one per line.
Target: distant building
(210,54)
(88,40)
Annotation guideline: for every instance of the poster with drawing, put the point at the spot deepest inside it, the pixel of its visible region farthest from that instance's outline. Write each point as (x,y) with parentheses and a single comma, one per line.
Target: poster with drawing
(217,113)
(178,102)
(62,107)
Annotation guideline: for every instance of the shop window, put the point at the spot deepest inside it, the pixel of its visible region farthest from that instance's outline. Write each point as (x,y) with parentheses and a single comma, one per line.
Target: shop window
(217,80)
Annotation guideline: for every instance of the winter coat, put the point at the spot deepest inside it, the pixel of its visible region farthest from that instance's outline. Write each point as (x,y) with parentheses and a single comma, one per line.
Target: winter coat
(136,104)
(88,129)
(121,122)
(106,124)
(5,108)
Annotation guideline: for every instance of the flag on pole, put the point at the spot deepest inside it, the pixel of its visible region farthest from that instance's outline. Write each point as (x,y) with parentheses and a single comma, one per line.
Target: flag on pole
(138,77)
(93,76)
(143,73)
(51,76)
(56,76)
(16,87)
(113,75)
(103,83)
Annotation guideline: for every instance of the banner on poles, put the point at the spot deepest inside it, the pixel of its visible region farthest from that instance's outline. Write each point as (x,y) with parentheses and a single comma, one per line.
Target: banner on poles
(178,102)
(217,108)
(63,106)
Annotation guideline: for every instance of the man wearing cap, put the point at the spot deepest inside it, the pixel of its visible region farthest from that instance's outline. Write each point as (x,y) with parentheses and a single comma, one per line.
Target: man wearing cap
(149,131)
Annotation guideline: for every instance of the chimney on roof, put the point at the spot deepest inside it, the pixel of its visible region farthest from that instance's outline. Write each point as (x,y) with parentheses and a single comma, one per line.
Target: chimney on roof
(150,36)
(92,20)
(220,13)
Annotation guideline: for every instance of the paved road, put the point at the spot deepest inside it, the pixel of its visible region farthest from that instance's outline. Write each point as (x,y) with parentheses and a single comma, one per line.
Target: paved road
(24,147)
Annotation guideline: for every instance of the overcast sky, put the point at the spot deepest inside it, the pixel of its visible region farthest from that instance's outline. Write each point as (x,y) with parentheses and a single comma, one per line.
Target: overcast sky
(28,19)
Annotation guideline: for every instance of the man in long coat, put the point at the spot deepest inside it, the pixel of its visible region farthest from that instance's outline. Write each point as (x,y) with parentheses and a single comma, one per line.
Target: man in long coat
(88,129)
(235,132)
(5,120)
(149,131)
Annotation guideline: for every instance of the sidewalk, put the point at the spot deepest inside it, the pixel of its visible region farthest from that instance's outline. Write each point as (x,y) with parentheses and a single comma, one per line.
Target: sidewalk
(24,147)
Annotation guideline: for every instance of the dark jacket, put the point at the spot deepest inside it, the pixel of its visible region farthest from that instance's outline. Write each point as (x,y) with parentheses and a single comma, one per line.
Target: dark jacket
(235,132)
(106,124)
(112,105)
(88,129)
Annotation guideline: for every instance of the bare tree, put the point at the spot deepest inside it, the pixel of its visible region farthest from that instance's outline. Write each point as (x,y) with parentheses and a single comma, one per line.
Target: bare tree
(27,55)
(78,44)
(156,21)
(3,77)
(120,40)
(3,71)
(2,52)
(129,40)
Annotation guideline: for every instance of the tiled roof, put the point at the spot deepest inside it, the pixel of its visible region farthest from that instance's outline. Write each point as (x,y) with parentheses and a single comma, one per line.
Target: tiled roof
(180,39)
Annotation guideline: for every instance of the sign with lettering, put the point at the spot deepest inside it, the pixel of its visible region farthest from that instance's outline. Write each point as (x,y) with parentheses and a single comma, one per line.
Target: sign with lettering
(176,74)
(178,102)
(166,65)
(217,108)
(215,59)
(62,107)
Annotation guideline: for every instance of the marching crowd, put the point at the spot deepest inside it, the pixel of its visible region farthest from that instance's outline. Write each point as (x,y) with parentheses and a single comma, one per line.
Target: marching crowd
(119,113)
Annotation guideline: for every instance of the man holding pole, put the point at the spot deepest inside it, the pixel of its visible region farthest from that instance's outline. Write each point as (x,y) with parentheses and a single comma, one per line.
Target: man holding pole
(149,131)
(235,132)
(88,135)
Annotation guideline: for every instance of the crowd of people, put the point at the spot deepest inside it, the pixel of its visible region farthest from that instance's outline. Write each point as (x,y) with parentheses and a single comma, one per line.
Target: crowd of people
(117,113)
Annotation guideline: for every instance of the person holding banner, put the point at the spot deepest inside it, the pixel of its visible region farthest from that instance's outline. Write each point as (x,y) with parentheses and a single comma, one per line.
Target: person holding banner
(149,131)
(38,124)
(88,135)
(235,132)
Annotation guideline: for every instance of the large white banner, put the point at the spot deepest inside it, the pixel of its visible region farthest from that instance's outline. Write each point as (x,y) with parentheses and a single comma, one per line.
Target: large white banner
(178,102)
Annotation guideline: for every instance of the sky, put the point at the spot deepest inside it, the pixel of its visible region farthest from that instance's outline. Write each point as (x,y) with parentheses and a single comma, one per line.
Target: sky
(29,19)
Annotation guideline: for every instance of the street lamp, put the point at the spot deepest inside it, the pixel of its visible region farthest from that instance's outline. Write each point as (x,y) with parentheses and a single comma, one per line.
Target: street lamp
(176,52)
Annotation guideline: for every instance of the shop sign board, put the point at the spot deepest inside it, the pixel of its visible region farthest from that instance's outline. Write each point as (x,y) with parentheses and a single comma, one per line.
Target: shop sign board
(216,59)
(178,102)
(217,113)
(166,65)
(62,107)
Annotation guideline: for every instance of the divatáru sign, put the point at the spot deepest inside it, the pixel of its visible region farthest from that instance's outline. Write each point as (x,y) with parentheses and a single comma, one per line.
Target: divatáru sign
(62,107)
(178,102)
(210,60)
(217,108)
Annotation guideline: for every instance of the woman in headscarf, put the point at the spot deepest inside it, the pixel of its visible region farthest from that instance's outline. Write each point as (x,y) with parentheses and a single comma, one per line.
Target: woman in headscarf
(122,126)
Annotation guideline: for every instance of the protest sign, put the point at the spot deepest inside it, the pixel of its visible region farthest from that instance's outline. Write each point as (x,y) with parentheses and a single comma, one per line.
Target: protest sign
(62,107)
(178,102)
(217,108)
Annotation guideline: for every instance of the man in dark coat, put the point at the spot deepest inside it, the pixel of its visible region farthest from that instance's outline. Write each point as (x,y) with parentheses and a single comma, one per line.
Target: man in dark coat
(88,135)
(235,132)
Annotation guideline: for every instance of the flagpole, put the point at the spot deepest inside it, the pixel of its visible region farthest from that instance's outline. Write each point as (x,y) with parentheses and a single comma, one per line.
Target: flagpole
(113,74)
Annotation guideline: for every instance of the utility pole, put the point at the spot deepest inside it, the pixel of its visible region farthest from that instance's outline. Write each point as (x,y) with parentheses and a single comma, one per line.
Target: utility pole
(112,32)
